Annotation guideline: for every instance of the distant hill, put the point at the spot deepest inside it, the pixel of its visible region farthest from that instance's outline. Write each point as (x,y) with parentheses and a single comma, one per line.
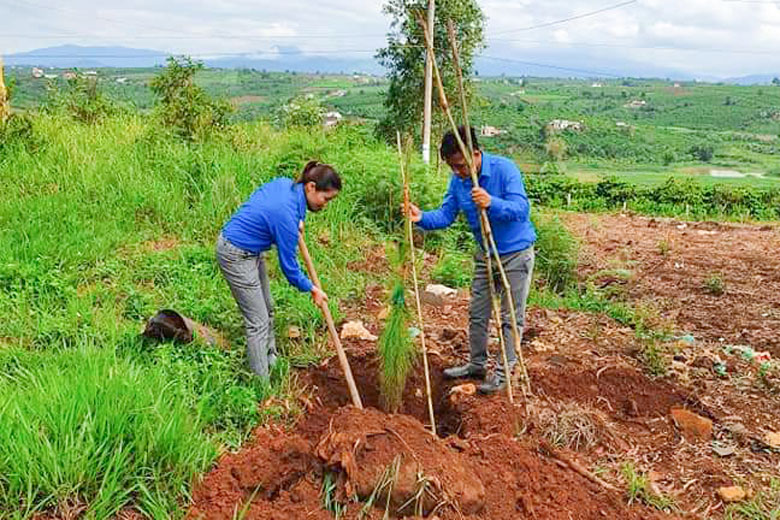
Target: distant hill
(754,79)
(64,56)
(539,64)
(83,57)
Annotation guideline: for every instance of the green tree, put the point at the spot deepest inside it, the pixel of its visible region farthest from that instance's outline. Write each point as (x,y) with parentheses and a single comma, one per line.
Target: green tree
(183,105)
(301,111)
(81,99)
(404,58)
(776,81)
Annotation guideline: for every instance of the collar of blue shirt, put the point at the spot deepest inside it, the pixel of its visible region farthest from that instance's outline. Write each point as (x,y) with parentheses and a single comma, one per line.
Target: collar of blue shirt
(484,170)
(298,187)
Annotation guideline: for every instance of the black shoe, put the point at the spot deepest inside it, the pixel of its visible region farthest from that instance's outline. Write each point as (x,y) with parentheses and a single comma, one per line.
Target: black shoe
(468,370)
(495,383)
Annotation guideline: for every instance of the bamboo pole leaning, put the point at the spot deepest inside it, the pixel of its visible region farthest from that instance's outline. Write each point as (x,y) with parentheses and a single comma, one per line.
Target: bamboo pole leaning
(487,233)
(483,215)
(334,335)
(410,239)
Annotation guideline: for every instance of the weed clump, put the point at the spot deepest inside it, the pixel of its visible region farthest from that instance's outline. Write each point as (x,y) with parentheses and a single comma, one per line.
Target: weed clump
(556,254)
(714,284)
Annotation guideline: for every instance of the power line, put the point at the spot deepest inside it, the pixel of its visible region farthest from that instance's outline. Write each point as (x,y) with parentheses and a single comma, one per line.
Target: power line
(251,37)
(571,18)
(554,67)
(645,47)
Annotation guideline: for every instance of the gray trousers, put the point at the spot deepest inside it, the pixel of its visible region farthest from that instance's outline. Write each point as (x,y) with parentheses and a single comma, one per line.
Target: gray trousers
(247,277)
(519,268)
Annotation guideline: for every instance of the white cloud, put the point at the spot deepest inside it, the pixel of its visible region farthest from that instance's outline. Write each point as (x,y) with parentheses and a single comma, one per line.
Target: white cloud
(701,29)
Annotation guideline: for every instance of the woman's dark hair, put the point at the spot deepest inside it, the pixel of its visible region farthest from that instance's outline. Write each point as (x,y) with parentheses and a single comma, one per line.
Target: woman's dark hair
(323,176)
(449,145)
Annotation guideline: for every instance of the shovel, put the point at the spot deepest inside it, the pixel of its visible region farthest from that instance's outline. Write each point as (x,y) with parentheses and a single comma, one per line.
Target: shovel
(353,391)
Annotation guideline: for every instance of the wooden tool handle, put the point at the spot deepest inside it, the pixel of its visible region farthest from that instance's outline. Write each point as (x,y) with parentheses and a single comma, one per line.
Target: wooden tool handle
(334,335)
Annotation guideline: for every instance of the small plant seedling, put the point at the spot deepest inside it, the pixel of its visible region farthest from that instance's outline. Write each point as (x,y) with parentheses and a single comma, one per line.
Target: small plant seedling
(714,284)
(654,360)
(638,488)
(396,348)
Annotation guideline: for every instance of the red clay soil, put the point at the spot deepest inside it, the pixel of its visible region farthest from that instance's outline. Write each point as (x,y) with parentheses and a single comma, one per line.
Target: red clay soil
(482,472)
(576,358)
(671,261)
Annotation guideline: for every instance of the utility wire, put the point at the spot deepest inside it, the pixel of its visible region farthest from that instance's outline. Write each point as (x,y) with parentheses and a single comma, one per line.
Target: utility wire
(554,67)
(645,47)
(570,18)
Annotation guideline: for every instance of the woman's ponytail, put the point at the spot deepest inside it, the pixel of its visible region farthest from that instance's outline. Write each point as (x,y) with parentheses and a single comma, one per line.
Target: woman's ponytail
(323,176)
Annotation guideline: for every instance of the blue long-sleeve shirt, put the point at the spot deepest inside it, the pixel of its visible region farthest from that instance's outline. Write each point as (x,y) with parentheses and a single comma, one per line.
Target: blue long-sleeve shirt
(271,216)
(509,212)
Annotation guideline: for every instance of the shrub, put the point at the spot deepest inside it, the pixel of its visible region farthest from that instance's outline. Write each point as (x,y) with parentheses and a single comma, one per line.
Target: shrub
(184,106)
(301,111)
(556,253)
(81,99)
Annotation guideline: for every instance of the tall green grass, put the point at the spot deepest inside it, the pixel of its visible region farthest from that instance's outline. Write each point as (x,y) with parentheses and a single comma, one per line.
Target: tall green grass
(100,226)
(89,426)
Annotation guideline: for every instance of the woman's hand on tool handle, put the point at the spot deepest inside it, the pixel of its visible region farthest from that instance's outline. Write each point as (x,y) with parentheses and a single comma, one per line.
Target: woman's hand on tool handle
(319,296)
(415,215)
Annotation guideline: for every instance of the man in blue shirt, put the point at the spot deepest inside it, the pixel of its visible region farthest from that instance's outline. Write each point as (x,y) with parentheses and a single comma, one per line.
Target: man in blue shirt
(502,193)
(271,216)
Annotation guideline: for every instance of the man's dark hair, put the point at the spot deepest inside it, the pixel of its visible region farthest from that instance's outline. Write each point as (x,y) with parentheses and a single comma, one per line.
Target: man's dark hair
(449,145)
(323,176)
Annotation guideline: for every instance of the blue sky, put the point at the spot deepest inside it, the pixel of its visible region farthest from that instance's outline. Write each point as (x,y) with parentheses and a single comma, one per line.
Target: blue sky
(710,38)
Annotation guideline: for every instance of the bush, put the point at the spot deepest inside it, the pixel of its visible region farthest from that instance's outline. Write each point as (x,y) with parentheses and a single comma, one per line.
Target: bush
(702,152)
(556,253)
(81,99)
(301,111)
(184,106)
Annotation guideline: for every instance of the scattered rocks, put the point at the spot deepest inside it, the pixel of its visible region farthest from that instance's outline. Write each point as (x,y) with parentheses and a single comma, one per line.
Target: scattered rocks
(723,450)
(447,334)
(732,494)
(356,330)
(438,295)
(459,392)
(772,439)
(692,426)
(736,429)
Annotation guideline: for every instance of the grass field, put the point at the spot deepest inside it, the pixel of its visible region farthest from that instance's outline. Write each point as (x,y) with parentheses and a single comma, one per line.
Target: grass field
(103,224)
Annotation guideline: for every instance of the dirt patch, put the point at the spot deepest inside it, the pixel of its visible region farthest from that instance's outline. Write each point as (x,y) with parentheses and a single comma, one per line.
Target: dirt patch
(678,266)
(622,392)
(164,244)
(575,359)
(395,459)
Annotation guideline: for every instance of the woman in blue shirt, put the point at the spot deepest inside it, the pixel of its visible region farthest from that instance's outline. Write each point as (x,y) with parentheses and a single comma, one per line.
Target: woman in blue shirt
(271,216)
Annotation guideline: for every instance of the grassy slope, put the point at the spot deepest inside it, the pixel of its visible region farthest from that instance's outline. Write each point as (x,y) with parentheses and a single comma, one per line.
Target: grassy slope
(101,226)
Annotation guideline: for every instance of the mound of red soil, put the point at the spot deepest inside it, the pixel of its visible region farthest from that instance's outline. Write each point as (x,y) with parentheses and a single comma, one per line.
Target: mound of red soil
(420,471)
(482,472)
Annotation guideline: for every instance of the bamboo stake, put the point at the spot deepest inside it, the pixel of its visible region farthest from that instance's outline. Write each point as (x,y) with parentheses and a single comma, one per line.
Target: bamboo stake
(483,215)
(485,222)
(334,335)
(410,238)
